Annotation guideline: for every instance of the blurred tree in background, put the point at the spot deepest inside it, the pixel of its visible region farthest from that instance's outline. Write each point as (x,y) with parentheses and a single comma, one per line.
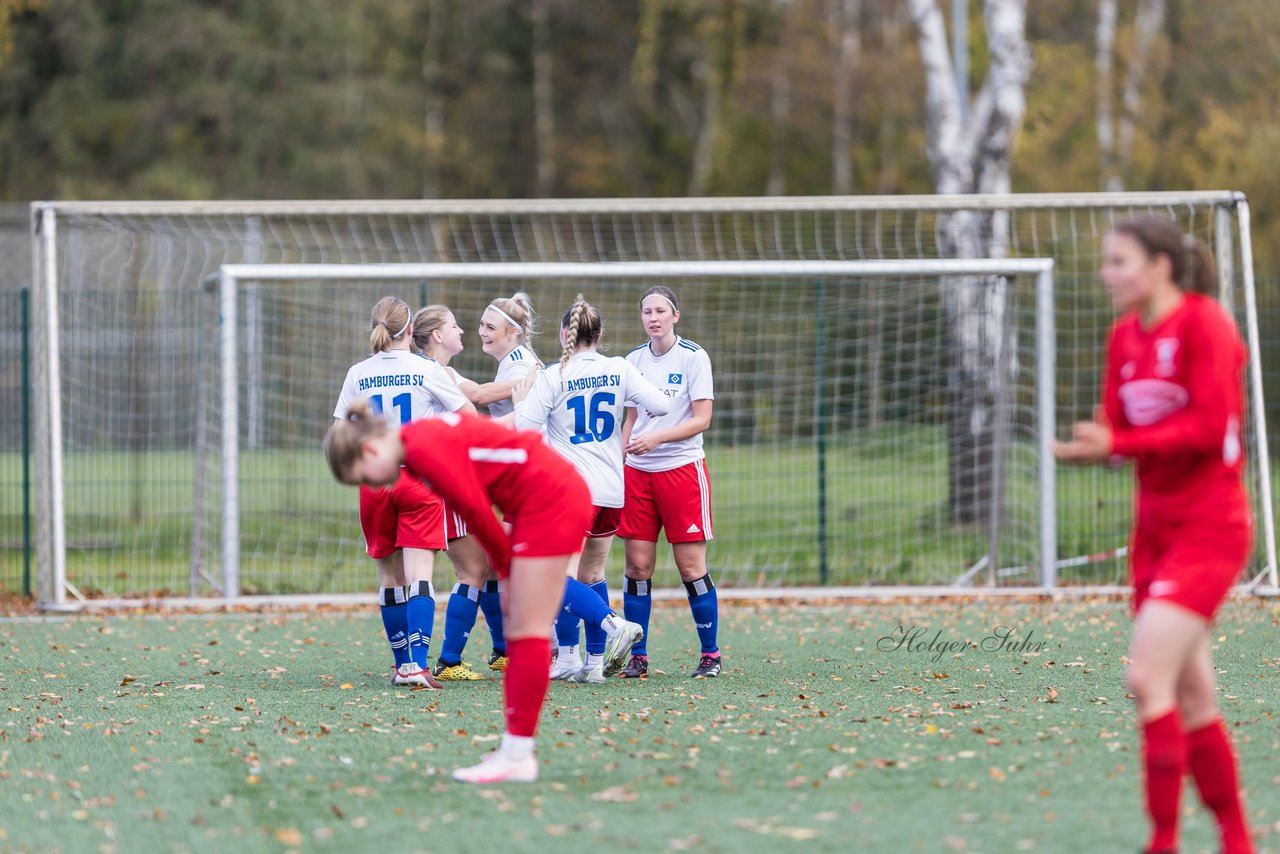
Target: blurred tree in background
(494,98)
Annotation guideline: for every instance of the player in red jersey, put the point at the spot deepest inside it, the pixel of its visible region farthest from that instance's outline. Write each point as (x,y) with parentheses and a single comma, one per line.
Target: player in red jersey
(475,465)
(1173,403)
(437,335)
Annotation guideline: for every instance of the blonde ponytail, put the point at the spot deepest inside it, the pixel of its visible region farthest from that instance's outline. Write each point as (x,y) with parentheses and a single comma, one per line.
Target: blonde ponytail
(389,313)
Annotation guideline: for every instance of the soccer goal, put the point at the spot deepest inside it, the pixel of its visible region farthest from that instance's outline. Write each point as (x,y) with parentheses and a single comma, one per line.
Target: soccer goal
(851,445)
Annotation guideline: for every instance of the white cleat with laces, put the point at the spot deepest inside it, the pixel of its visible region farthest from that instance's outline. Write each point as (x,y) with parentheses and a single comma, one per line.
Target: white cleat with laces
(565,666)
(589,674)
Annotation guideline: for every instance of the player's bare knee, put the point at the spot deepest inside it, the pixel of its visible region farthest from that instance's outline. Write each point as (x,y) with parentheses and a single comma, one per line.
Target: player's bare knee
(639,572)
(1137,680)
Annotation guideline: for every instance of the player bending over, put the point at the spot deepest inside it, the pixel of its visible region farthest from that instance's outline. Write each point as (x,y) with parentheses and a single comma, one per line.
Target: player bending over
(475,464)
(581,404)
(1173,402)
(437,335)
(666,479)
(403,526)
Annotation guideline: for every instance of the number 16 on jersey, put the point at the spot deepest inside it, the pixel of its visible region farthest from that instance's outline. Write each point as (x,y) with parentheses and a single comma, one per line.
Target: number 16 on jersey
(602,421)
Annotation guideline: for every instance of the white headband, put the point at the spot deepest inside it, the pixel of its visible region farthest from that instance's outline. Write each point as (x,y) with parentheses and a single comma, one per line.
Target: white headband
(664,296)
(505,315)
(406,323)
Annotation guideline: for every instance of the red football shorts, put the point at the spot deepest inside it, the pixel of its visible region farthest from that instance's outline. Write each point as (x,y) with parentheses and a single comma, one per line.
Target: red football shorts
(677,501)
(1194,566)
(605,523)
(455,525)
(406,515)
(552,521)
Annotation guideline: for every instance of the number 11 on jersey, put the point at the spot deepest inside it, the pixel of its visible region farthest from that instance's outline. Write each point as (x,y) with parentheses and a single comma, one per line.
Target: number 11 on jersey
(402,402)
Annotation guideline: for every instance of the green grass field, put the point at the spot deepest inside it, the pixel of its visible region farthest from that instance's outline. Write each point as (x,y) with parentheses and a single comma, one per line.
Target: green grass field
(129,518)
(280,732)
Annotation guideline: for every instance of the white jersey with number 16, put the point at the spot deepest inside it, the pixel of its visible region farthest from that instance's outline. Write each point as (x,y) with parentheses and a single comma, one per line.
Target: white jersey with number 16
(583,409)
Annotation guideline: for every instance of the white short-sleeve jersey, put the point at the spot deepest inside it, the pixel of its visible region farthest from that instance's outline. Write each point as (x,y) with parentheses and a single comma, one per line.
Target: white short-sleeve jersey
(402,385)
(582,411)
(513,366)
(683,374)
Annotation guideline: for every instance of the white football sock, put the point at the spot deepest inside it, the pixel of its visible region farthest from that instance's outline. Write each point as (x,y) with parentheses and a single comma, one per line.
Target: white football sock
(516,746)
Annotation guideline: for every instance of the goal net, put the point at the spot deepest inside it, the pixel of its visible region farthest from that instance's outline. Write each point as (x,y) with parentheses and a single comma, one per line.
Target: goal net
(835,453)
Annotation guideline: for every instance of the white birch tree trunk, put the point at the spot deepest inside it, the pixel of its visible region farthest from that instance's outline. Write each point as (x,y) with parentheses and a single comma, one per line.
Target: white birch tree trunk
(1104,62)
(1146,28)
(970,152)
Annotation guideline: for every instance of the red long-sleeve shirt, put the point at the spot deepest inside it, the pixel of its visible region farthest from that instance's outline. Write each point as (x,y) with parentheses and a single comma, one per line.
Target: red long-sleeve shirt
(1174,397)
(474,464)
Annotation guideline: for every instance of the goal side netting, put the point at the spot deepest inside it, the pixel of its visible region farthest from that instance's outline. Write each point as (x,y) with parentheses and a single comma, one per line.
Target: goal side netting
(833,450)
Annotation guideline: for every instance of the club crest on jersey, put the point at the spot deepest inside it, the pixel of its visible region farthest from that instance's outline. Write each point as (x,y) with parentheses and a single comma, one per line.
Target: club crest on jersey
(1166,350)
(675,379)
(1128,370)
(1148,402)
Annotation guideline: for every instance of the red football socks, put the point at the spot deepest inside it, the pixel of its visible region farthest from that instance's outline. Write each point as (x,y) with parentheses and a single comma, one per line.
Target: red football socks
(525,683)
(1164,755)
(1213,766)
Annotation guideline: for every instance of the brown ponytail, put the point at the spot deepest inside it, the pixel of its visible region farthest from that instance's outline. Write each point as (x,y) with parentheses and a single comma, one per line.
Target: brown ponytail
(389,321)
(1191,262)
(583,325)
(345,436)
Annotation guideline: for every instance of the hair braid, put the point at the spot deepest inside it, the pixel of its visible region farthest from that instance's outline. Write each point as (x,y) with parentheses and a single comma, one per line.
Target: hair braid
(577,311)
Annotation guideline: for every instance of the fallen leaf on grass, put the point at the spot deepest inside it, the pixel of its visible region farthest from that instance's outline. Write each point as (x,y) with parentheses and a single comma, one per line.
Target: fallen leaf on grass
(191,687)
(1053,695)
(346,686)
(618,794)
(288,836)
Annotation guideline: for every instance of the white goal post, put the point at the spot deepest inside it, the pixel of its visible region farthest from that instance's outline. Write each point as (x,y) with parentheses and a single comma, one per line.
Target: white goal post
(232,275)
(101,256)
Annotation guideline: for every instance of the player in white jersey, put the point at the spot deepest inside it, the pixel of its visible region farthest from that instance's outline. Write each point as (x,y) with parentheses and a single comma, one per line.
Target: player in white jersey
(506,332)
(403,526)
(581,404)
(667,486)
(437,335)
